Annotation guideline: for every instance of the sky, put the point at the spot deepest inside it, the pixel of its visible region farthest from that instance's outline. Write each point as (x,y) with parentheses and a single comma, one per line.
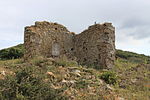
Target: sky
(131,19)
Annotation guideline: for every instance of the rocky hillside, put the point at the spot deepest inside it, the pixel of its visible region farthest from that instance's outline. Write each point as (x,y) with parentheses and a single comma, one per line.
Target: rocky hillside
(61,79)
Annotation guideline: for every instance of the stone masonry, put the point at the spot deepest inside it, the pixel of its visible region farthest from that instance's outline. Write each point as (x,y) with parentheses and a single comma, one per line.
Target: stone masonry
(94,46)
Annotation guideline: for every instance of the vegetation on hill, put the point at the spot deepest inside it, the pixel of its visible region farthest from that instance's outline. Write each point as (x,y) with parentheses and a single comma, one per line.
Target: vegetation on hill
(28,84)
(133,57)
(12,52)
(47,79)
(61,79)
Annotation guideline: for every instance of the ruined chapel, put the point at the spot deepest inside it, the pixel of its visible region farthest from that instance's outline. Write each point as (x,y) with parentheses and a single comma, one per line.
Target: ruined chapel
(93,46)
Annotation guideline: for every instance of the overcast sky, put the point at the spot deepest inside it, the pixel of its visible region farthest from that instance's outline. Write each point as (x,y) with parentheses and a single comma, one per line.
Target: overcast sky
(130,17)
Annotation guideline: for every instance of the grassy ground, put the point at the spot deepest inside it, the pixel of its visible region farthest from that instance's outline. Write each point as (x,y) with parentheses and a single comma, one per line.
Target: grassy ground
(128,80)
(134,80)
(82,83)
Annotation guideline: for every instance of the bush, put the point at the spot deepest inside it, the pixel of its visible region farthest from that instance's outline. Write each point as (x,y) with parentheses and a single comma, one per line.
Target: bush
(12,53)
(109,77)
(27,85)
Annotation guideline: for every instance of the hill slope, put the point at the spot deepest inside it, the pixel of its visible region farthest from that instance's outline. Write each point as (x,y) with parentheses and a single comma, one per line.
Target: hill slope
(128,80)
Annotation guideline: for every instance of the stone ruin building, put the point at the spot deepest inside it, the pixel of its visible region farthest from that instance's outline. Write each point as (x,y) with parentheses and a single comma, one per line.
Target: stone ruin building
(94,46)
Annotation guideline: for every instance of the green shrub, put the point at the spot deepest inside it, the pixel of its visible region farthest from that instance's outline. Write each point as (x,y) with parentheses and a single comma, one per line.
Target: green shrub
(12,53)
(109,77)
(28,84)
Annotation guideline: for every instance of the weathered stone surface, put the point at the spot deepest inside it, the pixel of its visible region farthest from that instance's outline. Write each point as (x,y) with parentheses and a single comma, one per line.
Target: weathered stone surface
(48,40)
(94,46)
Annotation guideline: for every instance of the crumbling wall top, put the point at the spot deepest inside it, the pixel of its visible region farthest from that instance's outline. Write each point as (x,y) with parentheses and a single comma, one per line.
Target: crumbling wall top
(46,25)
(104,25)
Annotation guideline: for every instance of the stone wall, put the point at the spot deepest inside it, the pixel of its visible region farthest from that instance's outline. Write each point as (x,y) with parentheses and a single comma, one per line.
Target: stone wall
(48,40)
(94,46)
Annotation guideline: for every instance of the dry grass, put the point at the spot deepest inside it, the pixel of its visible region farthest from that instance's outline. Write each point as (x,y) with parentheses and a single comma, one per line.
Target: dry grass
(81,83)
